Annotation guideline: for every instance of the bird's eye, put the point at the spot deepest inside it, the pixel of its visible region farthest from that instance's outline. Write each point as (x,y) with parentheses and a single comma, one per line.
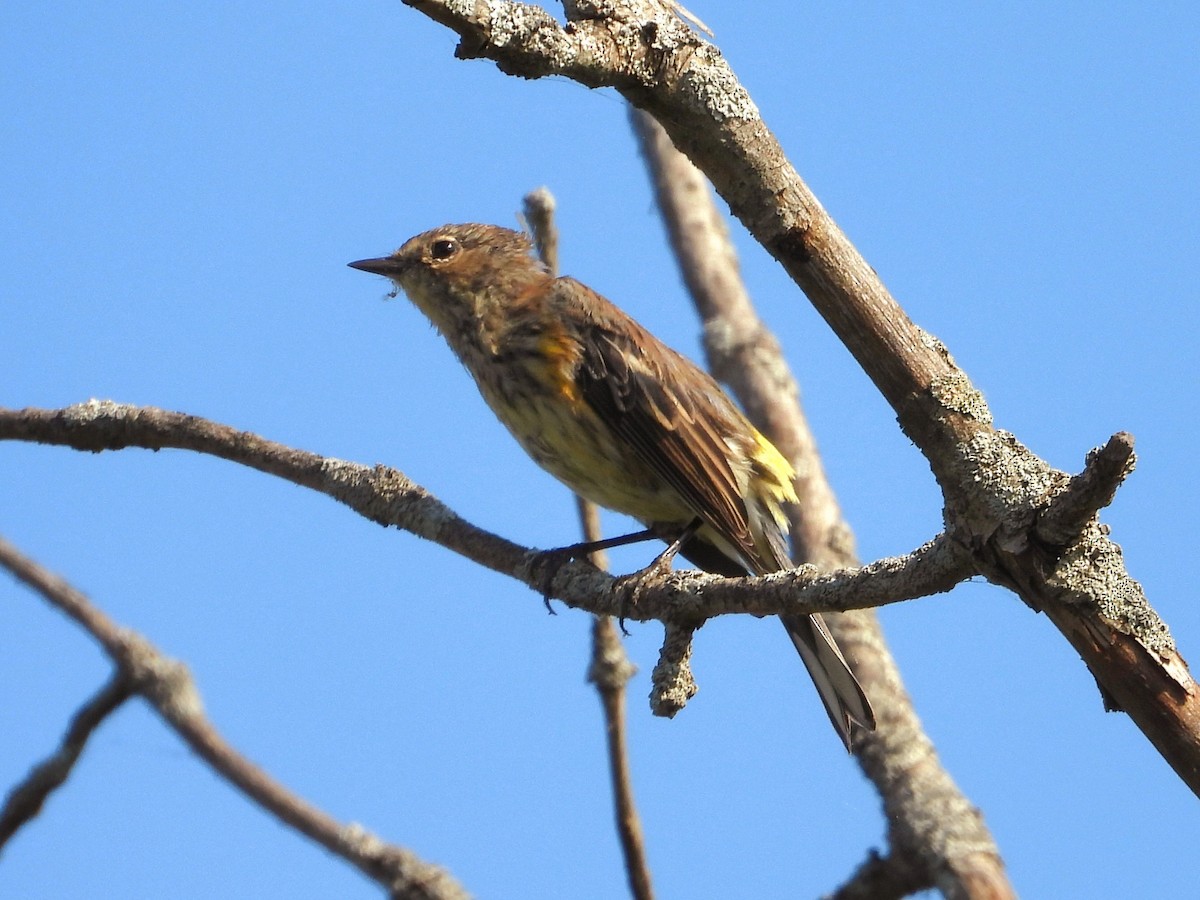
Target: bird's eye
(443,248)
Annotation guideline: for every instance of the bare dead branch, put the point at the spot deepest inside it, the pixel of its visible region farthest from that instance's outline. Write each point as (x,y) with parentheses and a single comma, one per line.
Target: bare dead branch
(26,799)
(1066,515)
(933,568)
(610,671)
(916,798)
(387,496)
(672,684)
(932,827)
(381,494)
(169,688)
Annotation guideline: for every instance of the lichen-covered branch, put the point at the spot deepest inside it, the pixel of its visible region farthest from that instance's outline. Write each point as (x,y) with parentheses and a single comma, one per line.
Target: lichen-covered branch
(1067,514)
(387,496)
(672,682)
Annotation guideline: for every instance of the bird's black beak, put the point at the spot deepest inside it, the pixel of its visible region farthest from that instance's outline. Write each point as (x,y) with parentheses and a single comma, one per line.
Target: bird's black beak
(385,265)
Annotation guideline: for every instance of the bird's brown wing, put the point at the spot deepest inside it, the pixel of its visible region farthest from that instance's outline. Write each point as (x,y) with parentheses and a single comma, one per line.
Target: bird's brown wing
(674,416)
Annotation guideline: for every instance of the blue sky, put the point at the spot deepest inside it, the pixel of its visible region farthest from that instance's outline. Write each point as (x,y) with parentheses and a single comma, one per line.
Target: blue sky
(182,187)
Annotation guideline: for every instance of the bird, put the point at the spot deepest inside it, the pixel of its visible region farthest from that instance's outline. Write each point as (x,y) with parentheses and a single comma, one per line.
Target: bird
(619,417)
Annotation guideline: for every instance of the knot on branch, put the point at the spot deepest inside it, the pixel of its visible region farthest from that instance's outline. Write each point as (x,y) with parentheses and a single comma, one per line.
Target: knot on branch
(165,682)
(610,669)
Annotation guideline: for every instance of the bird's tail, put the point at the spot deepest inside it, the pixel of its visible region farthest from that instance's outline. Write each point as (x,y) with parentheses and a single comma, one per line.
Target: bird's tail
(845,701)
(840,691)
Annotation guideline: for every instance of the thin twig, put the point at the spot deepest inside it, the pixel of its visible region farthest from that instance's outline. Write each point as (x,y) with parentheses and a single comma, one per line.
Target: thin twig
(26,799)
(610,671)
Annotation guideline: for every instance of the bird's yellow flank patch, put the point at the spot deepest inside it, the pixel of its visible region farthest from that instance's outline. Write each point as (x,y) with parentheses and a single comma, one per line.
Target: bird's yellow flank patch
(561,356)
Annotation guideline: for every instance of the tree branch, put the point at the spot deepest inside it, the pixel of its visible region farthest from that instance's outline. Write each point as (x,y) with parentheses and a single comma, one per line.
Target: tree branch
(388,497)
(1066,515)
(169,688)
(610,671)
(936,836)
(672,682)
(26,799)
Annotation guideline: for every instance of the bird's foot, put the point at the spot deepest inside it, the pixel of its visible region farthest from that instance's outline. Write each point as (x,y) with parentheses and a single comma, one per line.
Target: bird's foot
(548,562)
(545,566)
(633,585)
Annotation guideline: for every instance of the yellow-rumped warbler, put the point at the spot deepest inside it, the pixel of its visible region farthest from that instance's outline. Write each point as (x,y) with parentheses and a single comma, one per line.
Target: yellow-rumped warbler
(617,416)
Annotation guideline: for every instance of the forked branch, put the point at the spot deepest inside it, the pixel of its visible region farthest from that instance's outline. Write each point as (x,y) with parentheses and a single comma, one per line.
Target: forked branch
(168,687)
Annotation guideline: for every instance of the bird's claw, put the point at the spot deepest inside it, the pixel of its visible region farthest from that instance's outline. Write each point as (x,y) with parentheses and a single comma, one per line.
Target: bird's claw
(545,565)
(633,585)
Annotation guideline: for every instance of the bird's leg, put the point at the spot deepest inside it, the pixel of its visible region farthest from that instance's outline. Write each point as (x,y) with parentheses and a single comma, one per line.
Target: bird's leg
(550,561)
(636,581)
(575,551)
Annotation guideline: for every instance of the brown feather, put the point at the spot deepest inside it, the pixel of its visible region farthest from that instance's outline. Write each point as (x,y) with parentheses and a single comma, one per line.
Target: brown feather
(673,419)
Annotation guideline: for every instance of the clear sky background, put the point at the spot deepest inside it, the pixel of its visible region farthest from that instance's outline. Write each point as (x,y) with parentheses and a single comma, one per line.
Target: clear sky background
(181,187)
